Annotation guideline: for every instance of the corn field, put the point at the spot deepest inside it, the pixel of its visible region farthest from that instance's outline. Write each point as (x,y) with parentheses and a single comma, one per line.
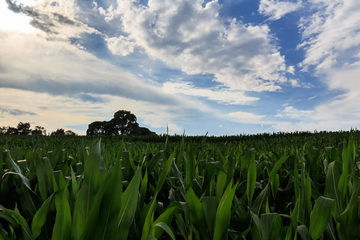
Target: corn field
(281,187)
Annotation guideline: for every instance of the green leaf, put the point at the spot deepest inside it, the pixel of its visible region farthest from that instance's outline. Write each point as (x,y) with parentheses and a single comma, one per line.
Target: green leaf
(164,173)
(266,221)
(166,229)
(223,213)
(88,191)
(276,168)
(149,220)
(143,187)
(220,185)
(251,180)
(332,181)
(41,176)
(73,183)
(39,218)
(63,223)
(304,232)
(260,200)
(128,205)
(275,185)
(196,212)
(17,171)
(319,217)
(190,166)
(209,206)
(17,221)
(166,216)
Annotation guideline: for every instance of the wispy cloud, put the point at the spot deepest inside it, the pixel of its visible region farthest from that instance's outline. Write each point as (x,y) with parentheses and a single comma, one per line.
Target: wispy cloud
(276,9)
(249,118)
(331,36)
(223,96)
(44,16)
(15,112)
(291,112)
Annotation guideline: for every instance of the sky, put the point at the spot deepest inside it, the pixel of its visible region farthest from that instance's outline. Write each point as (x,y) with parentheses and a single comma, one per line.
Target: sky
(226,67)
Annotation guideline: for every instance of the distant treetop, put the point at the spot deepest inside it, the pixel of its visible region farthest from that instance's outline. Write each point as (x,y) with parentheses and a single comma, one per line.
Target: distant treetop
(123,123)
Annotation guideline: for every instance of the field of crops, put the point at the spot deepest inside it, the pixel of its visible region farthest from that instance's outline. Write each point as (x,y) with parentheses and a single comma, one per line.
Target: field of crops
(261,187)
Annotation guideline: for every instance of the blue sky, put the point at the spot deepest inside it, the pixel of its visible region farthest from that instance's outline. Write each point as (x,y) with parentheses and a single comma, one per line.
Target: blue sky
(225,67)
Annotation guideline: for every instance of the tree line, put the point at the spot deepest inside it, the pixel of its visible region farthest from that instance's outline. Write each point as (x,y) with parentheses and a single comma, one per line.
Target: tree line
(24,129)
(123,123)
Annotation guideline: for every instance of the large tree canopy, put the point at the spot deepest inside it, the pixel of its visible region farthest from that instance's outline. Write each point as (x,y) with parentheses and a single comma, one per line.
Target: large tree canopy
(123,123)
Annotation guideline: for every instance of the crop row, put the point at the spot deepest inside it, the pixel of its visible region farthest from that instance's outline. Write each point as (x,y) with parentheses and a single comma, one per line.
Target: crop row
(183,190)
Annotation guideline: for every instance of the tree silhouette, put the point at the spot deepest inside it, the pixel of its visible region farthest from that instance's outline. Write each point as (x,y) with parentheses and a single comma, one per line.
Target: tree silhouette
(38,131)
(123,123)
(23,128)
(58,132)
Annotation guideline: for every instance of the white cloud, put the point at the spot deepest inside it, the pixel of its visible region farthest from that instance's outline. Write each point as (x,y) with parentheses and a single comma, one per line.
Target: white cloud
(68,81)
(121,45)
(291,112)
(310,98)
(331,36)
(196,39)
(295,83)
(248,118)
(223,96)
(276,9)
(331,40)
(54,112)
(291,69)
(340,113)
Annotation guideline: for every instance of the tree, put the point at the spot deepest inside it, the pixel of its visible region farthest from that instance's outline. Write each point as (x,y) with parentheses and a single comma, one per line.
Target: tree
(11,131)
(38,131)
(70,133)
(58,132)
(123,123)
(24,128)
(143,131)
(96,128)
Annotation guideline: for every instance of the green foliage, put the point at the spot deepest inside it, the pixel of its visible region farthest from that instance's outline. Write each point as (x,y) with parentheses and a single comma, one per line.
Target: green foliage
(266,187)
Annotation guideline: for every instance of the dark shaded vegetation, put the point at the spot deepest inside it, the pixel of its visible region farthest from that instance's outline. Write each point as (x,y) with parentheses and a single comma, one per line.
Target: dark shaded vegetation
(24,129)
(123,123)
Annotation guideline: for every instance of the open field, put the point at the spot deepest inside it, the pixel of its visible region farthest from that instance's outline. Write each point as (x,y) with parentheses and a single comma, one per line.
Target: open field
(280,186)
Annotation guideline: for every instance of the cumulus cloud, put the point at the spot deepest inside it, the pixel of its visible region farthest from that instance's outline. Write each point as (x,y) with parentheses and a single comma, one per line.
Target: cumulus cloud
(197,40)
(276,9)
(121,45)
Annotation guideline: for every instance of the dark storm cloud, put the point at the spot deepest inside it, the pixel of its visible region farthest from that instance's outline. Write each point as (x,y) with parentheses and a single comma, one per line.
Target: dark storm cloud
(15,112)
(41,21)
